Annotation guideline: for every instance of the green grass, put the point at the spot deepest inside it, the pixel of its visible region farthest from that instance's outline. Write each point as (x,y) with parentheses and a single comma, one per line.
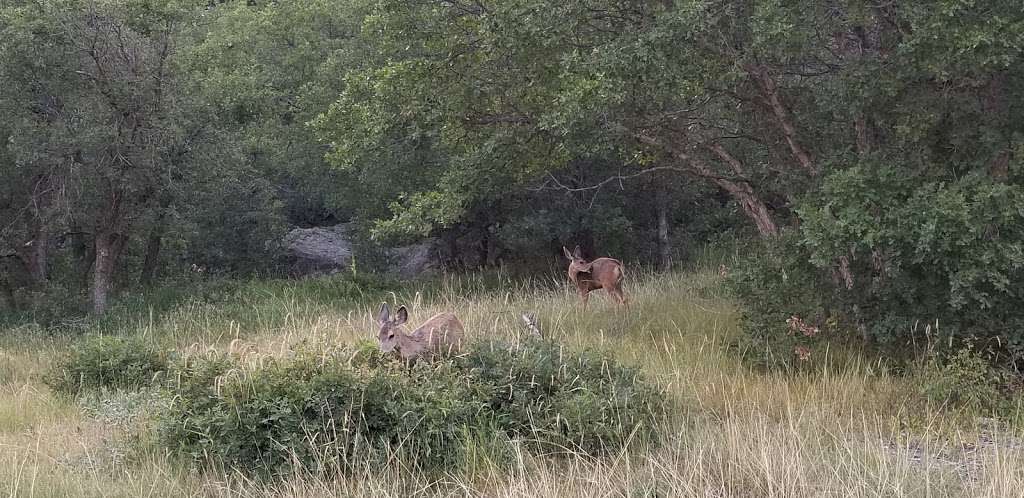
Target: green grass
(842,428)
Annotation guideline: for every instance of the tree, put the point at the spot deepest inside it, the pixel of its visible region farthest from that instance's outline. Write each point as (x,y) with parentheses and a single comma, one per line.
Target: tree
(106,126)
(267,69)
(470,98)
(38,154)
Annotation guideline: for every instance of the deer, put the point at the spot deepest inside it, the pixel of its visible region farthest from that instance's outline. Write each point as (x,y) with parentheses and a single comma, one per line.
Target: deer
(601,273)
(442,333)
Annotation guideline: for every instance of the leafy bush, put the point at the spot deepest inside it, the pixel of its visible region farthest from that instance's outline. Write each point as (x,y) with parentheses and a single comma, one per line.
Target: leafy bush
(786,308)
(556,398)
(337,410)
(107,362)
(915,250)
(967,378)
(880,251)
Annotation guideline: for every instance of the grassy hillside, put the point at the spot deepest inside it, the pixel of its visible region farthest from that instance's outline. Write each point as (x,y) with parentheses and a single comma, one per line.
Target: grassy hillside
(846,427)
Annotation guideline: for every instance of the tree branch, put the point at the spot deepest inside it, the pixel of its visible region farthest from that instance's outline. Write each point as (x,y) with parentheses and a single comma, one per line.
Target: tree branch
(770,92)
(616,178)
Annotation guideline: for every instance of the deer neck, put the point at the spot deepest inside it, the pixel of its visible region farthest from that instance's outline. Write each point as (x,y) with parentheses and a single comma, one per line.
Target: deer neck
(574,273)
(408,346)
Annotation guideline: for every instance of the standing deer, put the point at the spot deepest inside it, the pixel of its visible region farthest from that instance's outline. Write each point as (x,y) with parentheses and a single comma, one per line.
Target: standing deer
(601,273)
(441,334)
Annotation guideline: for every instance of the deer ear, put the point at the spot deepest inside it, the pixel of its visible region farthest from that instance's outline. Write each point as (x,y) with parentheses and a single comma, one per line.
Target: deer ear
(384,313)
(565,251)
(577,253)
(401,315)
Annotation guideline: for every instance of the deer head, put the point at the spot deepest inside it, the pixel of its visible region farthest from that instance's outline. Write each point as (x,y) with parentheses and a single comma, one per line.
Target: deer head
(576,262)
(390,327)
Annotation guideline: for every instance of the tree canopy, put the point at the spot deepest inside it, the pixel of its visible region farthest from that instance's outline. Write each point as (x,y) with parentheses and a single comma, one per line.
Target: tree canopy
(142,138)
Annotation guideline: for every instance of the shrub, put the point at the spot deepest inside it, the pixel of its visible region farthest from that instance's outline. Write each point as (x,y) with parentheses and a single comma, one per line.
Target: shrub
(967,378)
(556,398)
(107,362)
(336,411)
(921,250)
(878,252)
(786,311)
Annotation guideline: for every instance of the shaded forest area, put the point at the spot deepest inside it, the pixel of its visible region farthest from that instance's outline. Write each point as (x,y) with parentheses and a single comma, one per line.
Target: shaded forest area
(865,153)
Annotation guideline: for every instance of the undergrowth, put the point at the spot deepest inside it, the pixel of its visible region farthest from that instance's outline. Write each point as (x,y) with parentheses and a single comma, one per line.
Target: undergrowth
(340,409)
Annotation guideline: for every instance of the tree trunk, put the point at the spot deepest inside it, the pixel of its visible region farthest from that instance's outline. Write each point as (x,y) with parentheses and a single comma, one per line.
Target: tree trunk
(33,255)
(7,289)
(664,242)
(491,244)
(108,249)
(151,261)
(84,252)
(865,134)
(752,205)
(855,46)
(483,249)
(584,237)
(9,300)
(35,252)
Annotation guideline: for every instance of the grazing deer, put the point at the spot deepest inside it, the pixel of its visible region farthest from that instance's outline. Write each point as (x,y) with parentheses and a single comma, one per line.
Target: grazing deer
(601,273)
(441,334)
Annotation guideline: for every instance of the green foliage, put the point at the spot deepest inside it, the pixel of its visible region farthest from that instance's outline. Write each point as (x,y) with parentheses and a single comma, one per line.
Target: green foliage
(879,253)
(884,135)
(786,314)
(108,362)
(558,399)
(345,409)
(266,70)
(912,252)
(440,128)
(967,378)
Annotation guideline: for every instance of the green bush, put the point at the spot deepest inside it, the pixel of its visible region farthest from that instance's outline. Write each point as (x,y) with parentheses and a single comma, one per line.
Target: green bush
(967,378)
(107,362)
(880,252)
(785,315)
(921,250)
(555,398)
(341,410)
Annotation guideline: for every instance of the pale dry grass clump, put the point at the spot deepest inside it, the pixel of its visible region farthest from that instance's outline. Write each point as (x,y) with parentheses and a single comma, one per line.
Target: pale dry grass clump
(844,429)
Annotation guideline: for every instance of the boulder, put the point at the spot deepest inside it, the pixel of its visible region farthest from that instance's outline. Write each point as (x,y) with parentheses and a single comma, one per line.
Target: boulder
(321,249)
(329,249)
(413,260)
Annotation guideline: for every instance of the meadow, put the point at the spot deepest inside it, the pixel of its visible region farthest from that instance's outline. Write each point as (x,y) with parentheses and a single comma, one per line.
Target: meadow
(848,426)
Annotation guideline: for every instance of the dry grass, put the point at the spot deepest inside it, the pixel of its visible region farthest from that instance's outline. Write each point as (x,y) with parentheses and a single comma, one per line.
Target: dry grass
(847,429)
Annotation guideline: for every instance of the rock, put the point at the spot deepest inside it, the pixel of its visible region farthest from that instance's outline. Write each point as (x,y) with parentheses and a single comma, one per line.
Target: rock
(318,250)
(327,250)
(416,259)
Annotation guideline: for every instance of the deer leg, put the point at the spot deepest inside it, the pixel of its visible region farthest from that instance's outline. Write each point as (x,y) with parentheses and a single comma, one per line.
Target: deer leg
(620,297)
(584,296)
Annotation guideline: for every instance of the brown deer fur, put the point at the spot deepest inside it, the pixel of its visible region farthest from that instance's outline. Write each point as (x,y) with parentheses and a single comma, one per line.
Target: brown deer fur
(441,334)
(601,273)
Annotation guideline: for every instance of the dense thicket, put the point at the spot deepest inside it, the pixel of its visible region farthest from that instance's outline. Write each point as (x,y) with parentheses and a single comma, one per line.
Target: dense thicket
(143,137)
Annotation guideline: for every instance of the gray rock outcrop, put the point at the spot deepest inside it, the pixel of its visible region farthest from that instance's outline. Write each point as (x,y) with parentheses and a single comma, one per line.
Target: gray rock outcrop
(329,249)
(321,249)
(416,259)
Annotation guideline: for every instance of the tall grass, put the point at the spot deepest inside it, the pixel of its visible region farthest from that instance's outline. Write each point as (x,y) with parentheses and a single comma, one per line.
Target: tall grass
(847,428)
